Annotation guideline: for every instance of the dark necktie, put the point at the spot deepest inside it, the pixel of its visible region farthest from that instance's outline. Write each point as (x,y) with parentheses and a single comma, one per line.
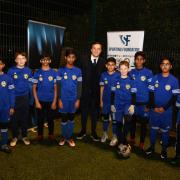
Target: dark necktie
(94,61)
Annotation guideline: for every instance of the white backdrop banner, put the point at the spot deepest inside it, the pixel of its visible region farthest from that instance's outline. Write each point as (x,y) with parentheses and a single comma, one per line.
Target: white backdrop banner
(122,45)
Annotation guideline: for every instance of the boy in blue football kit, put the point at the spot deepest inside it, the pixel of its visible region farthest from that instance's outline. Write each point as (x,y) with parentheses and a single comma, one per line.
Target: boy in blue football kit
(142,78)
(107,80)
(70,87)
(164,87)
(21,76)
(45,96)
(7,102)
(124,100)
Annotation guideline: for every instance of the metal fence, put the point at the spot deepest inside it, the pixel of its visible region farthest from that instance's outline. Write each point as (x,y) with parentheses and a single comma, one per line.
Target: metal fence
(155,54)
(14,15)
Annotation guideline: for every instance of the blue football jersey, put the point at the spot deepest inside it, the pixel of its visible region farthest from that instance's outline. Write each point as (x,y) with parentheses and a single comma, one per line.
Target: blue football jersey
(45,81)
(142,79)
(68,79)
(7,96)
(21,79)
(108,81)
(164,88)
(124,87)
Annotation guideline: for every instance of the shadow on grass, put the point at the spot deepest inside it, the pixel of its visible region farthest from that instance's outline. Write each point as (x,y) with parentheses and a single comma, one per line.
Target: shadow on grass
(135,150)
(46,142)
(154,157)
(103,146)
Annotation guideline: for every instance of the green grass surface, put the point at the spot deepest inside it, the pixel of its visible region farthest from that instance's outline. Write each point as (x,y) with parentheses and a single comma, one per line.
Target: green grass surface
(87,161)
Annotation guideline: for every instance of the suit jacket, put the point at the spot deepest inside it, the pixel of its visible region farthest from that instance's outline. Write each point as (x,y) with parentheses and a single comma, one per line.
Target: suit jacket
(91,77)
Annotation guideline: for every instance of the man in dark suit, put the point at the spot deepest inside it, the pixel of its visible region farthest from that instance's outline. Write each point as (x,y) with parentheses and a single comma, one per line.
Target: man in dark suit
(92,66)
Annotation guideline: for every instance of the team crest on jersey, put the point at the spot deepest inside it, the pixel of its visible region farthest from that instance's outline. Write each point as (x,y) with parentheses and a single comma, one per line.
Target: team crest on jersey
(15,76)
(74,77)
(143,78)
(167,87)
(128,86)
(26,76)
(3,83)
(40,78)
(50,78)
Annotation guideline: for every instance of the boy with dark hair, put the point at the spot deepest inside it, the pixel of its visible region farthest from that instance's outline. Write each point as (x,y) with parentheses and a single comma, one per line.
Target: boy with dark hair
(107,80)
(7,102)
(70,87)
(45,96)
(164,87)
(21,76)
(142,78)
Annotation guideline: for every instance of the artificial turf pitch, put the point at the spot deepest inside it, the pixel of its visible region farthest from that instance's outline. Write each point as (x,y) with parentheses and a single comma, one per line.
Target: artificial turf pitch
(87,161)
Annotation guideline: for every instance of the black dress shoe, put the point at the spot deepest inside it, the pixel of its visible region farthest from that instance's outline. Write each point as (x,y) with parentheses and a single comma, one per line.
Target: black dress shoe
(81,135)
(94,137)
